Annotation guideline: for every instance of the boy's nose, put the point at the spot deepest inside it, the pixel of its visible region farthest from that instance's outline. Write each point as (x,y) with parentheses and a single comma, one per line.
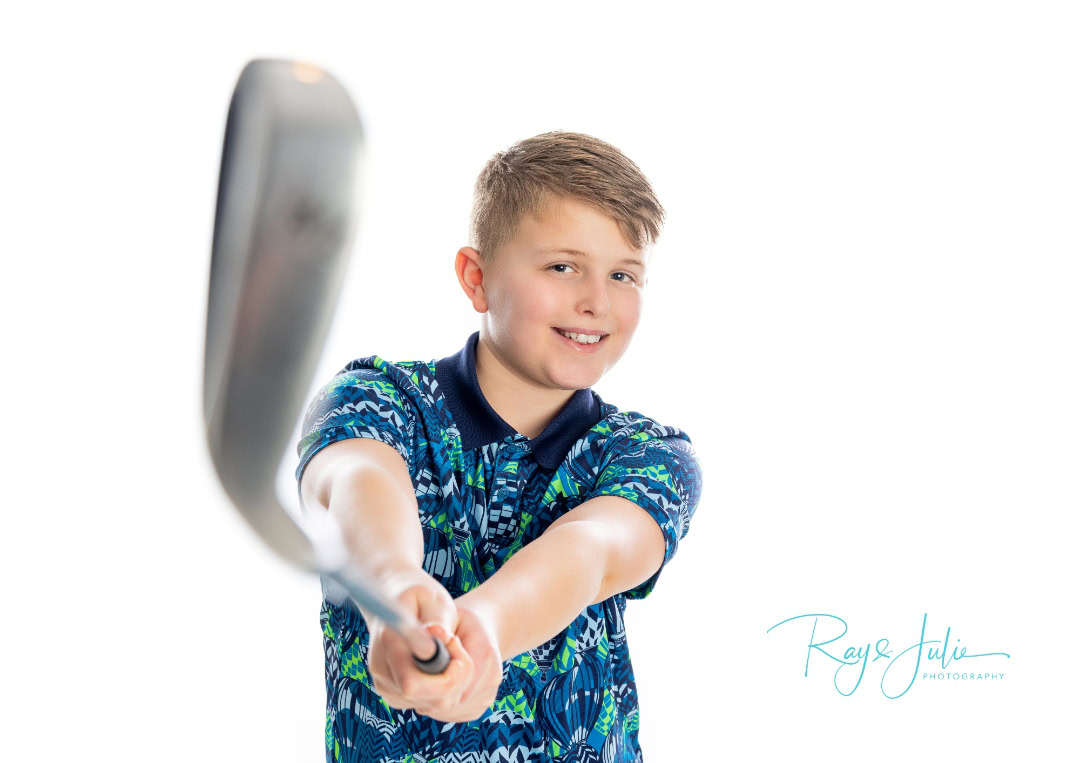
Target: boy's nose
(593,298)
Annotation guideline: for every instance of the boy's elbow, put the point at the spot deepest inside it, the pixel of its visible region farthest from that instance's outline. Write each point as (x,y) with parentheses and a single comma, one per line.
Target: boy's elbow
(627,541)
(636,555)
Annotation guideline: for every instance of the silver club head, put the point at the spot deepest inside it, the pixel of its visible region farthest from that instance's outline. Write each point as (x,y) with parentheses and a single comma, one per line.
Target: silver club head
(284,223)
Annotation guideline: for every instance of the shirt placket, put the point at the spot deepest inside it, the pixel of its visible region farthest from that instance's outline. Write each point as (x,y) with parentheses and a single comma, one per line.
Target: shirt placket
(502,507)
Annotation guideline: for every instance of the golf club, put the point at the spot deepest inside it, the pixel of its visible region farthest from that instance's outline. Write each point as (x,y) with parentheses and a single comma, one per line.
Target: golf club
(282,230)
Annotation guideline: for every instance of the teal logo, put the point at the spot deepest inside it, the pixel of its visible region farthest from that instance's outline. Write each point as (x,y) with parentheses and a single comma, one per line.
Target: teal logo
(901,668)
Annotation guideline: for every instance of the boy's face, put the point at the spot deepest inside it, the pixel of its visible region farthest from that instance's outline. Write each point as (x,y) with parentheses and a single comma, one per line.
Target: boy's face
(568,270)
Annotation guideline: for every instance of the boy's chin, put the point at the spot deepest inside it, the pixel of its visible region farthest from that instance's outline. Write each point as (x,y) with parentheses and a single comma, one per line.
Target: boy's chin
(571,381)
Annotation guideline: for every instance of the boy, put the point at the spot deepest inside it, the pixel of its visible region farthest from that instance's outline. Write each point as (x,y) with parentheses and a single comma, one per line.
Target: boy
(496,496)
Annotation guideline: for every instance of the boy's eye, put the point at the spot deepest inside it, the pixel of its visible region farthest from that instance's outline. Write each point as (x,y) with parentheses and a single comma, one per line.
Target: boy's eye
(620,276)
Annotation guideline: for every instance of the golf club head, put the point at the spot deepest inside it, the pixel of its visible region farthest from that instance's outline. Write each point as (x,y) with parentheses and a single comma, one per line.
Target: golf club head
(284,223)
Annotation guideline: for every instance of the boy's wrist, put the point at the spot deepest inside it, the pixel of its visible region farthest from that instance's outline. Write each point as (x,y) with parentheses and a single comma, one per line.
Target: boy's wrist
(392,576)
(480,604)
(383,569)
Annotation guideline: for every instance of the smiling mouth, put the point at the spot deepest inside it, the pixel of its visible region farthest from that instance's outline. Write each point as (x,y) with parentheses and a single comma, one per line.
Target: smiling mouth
(582,338)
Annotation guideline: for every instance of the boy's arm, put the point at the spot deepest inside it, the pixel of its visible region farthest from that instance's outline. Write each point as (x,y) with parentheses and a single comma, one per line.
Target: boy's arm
(602,547)
(366,486)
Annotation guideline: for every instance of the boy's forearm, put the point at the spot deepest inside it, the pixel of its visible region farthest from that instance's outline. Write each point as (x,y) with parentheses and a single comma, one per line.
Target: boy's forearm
(379,520)
(542,587)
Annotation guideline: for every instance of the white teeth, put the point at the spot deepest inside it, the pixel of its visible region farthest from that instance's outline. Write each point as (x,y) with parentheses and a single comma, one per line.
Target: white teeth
(582,338)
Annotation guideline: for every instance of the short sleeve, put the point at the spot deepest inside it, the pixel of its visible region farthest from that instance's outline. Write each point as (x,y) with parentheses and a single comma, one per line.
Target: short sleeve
(358,402)
(659,472)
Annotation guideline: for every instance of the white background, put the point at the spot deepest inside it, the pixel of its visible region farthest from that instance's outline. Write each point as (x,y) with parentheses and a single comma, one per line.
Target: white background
(863,310)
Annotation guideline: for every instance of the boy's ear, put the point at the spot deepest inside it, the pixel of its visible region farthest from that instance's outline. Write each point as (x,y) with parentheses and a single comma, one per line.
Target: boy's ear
(470,273)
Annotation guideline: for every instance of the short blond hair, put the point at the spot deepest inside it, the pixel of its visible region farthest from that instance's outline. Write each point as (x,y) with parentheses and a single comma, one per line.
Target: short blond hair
(518,181)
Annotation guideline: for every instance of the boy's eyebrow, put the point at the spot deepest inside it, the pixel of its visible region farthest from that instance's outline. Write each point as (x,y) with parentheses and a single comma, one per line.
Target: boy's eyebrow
(576,253)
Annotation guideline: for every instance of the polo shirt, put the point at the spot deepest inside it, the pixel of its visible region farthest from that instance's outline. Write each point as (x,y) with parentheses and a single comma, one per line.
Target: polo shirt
(483,491)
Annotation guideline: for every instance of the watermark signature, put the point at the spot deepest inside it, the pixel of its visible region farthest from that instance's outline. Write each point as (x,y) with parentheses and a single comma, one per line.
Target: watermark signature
(852,664)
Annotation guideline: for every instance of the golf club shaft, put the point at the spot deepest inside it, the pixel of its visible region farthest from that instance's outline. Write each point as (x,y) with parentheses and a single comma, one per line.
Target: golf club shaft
(429,653)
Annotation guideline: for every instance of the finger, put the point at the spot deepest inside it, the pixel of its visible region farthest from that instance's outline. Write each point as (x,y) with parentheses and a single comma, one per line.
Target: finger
(439,631)
(425,688)
(469,674)
(399,666)
(458,655)
(484,671)
(382,678)
(435,606)
(398,702)
(391,667)
(385,685)
(446,637)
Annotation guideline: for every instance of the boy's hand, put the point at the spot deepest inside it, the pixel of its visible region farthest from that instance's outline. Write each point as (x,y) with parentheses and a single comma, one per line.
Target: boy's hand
(476,644)
(394,675)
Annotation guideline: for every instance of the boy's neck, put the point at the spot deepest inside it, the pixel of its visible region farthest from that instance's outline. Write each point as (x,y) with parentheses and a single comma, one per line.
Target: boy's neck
(528,408)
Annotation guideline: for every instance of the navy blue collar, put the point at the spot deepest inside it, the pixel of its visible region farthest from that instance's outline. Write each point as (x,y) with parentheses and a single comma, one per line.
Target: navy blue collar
(479,424)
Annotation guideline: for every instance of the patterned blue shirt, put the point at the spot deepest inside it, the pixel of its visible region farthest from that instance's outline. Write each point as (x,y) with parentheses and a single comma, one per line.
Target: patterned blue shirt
(483,492)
